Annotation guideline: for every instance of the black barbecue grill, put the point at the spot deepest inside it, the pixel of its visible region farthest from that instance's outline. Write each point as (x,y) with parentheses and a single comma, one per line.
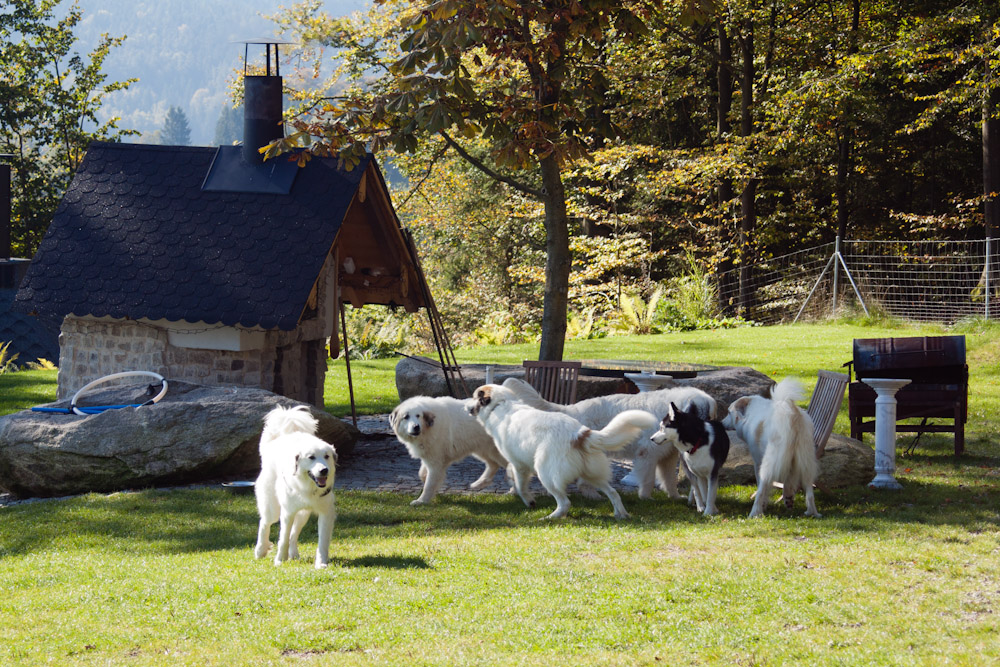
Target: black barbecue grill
(939,387)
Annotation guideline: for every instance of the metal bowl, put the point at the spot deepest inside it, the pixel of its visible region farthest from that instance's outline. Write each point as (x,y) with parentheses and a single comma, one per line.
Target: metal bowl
(238,487)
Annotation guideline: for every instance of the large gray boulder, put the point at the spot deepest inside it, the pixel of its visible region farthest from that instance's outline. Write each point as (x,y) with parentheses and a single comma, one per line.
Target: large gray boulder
(420,376)
(194,433)
(847,462)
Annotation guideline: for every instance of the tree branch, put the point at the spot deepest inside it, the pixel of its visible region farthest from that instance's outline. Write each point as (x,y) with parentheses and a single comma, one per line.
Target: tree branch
(481,166)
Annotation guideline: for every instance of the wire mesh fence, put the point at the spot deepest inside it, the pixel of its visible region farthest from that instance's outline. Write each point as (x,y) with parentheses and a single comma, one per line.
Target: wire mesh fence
(922,281)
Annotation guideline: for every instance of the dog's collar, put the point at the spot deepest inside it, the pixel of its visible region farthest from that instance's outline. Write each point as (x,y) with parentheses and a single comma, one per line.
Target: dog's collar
(329,490)
(698,444)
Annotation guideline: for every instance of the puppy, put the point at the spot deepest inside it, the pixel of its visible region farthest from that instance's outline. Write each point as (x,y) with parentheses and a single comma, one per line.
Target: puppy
(648,459)
(439,432)
(779,435)
(704,446)
(296,479)
(556,447)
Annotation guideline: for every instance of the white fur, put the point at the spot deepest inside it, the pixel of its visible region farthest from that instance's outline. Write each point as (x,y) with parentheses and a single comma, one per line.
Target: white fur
(648,458)
(779,435)
(439,431)
(556,447)
(296,479)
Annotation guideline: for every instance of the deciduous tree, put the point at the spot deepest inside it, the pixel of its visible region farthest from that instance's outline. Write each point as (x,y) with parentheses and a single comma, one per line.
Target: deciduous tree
(50,98)
(525,77)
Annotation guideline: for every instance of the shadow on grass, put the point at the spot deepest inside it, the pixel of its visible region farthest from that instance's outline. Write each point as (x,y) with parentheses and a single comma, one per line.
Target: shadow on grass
(386,562)
(207,520)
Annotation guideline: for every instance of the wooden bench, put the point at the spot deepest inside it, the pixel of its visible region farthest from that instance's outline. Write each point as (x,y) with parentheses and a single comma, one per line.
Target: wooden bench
(939,387)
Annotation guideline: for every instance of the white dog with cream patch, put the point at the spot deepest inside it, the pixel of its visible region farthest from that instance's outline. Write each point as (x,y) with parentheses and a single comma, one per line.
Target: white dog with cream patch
(779,435)
(439,431)
(554,446)
(296,480)
(648,457)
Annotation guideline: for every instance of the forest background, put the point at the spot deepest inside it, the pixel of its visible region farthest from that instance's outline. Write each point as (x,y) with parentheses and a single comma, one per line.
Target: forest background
(691,138)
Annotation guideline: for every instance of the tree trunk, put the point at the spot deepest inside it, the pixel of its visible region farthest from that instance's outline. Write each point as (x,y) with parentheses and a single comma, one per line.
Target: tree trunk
(724,78)
(748,199)
(991,157)
(991,178)
(557,264)
(844,143)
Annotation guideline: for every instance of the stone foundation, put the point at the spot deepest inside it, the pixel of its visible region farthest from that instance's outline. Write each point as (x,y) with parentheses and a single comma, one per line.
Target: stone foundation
(285,364)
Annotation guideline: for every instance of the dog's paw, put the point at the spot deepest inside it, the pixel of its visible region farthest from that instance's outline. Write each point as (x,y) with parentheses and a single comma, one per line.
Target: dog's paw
(261,550)
(478,484)
(815,515)
(419,502)
(322,564)
(622,515)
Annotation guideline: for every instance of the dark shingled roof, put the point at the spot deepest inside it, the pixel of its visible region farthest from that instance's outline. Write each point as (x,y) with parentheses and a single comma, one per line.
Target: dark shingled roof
(135,236)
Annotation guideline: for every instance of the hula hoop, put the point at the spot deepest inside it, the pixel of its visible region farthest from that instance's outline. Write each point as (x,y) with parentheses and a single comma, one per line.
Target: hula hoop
(97,409)
(114,376)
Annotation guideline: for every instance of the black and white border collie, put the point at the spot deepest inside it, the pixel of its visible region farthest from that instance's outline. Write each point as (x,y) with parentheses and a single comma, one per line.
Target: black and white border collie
(704,446)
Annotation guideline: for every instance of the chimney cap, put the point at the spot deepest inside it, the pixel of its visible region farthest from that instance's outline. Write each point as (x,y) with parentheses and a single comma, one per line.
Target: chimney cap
(262,40)
(267,42)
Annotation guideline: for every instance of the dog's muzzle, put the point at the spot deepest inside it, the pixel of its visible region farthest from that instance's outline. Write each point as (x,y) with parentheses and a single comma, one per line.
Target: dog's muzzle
(320,478)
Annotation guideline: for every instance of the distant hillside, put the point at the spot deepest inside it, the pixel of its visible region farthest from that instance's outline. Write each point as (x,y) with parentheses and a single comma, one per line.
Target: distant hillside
(182,51)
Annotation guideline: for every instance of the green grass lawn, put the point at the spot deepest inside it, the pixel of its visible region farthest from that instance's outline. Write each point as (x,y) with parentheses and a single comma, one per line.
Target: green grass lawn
(884,578)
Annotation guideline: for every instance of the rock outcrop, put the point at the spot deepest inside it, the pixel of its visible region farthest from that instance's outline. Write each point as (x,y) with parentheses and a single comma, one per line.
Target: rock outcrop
(194,433)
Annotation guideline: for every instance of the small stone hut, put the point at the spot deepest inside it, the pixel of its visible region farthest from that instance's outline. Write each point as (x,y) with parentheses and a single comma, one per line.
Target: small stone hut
(200,265)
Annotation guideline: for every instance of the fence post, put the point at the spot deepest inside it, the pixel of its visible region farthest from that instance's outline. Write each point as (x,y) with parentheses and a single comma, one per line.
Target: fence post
(836,274)
(989,242)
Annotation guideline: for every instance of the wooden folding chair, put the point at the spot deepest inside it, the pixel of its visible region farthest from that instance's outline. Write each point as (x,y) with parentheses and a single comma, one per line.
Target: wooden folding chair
(824,406)
(554,380)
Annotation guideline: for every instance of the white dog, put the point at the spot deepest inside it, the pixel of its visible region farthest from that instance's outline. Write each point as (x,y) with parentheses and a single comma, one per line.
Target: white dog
(779,435)
(557,447)
(296,479)
(439,431)
(649,458)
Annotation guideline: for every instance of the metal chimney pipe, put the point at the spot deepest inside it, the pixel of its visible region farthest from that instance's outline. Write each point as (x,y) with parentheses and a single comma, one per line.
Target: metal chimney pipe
(262,114)
(262,105)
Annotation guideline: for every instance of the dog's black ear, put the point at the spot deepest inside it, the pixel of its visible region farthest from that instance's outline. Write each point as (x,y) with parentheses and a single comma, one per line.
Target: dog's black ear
(429,419)
(672,411)
(484,397)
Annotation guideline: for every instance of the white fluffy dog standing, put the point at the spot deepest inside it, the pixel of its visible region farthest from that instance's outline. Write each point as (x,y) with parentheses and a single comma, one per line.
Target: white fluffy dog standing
(779,435)
(296,479)
(439,431)
(555,446)
(649,458)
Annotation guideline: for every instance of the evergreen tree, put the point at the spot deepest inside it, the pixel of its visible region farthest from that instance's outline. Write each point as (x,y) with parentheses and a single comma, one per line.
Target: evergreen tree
(176,131)
(229,127)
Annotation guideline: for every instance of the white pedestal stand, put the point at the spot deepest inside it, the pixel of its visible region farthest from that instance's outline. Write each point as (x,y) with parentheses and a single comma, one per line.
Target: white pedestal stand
(885,431)
(645,382)
(649,381)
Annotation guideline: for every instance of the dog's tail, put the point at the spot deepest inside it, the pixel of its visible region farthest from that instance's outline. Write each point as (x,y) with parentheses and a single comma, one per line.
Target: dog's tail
(789,389)
(620,431)
(283,421)
(527,394)
(790,455)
